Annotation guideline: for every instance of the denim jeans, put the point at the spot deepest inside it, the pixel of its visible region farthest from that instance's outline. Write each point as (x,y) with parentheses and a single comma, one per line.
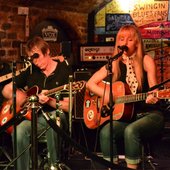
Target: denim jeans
(23,137)
(132,134)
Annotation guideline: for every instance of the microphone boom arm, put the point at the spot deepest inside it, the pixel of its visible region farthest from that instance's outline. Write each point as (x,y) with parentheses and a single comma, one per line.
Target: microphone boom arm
(116,56)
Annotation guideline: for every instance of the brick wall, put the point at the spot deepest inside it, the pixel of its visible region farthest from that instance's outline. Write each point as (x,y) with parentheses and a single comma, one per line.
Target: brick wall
(12,27)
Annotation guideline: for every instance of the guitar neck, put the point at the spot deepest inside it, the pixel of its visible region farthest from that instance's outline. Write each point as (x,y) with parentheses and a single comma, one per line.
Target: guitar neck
(161,94)
(75,86)
(9,76)
(53,91)
(131,98)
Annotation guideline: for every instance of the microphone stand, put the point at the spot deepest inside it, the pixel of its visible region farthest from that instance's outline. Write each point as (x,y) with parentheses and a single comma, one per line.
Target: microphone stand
(159,85)
(34,143)
(111,102)
(70,103)
(14,109)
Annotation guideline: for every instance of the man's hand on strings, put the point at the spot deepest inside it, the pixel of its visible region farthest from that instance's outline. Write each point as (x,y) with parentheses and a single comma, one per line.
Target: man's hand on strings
(42,97)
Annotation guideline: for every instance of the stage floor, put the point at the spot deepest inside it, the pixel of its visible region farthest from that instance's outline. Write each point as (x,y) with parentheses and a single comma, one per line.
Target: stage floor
(77,160)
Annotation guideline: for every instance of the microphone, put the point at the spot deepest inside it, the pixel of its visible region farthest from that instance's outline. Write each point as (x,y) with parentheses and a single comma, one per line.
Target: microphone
(117,55)
(35,55)
(123,48)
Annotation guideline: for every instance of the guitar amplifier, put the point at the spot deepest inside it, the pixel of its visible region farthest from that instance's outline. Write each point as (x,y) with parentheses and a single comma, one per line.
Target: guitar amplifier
(79,96)
(78,104)
(96,53)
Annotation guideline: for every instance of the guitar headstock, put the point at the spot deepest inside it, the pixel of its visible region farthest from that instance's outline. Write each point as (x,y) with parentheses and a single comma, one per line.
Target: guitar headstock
(78,85)
(27,64)
(163,94)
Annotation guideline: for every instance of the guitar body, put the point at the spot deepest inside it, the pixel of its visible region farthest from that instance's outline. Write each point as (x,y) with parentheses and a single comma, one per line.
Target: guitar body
(6,111)
(93,106)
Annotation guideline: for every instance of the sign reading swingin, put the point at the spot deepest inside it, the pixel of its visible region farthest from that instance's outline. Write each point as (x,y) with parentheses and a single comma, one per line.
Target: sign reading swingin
(96,53)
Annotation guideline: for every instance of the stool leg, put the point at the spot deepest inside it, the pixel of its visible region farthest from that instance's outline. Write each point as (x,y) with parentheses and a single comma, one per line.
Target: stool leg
(143,158)
(6,154)
(147,158)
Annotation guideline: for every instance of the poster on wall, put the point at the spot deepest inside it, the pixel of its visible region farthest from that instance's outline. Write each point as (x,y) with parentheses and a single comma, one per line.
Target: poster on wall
(156,30)
(141,12)
(148,11)
(115,21)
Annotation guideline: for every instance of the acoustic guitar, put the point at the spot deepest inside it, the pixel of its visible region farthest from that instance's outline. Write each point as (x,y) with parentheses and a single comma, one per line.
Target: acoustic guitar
(123,104)
(6,112)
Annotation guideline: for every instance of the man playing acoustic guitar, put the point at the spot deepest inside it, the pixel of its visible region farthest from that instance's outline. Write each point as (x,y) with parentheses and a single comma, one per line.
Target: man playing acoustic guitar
(138,71)
(45,74)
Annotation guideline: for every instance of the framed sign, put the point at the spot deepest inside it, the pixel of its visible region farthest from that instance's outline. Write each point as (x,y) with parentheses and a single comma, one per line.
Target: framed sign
(115,21)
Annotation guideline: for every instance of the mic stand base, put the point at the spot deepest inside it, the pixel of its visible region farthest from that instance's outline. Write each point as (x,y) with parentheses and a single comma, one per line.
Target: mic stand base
(60,165)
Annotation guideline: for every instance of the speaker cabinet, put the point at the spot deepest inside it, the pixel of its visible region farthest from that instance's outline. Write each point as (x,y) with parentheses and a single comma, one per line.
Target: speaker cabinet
(79,96)
(82,75)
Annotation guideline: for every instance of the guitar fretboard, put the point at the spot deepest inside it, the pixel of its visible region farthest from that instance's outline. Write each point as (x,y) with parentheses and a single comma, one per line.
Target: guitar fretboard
(9,76)
(161,94)
(132,98)
(75,86)
(57,89)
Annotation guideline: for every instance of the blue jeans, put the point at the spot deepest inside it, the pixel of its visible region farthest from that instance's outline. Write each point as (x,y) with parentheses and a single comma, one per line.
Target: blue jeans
(132,134)
(24,135)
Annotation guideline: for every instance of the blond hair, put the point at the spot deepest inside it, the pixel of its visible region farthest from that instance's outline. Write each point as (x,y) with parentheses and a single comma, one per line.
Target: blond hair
(137,60)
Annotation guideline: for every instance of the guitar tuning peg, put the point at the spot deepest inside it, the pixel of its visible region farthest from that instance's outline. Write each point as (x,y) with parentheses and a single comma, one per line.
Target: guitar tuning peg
(57,96)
